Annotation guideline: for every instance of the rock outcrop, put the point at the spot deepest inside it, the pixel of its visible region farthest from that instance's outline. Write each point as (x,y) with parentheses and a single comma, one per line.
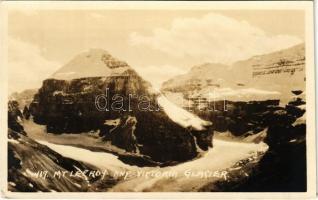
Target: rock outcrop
(31,166)
(15,117)
(283,167)
(240,118)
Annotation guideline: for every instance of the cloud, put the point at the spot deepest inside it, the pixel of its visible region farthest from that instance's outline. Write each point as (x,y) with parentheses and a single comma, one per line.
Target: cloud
(158,74)
(27,67)
(213,38)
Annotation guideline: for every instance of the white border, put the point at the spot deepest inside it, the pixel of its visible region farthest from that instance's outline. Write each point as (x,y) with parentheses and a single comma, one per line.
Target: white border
(198,5)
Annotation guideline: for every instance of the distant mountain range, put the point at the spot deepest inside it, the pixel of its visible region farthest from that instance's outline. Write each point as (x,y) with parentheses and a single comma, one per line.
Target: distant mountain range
(269,76)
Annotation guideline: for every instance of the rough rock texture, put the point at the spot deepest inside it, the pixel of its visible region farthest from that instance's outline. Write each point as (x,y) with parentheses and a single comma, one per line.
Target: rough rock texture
(240,118)
(15,117)
(27,157)
(68,106)
(283,167)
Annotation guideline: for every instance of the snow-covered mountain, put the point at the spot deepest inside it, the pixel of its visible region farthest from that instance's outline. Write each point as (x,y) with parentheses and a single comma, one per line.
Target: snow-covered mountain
(262,77)
(92,63)
(66,103)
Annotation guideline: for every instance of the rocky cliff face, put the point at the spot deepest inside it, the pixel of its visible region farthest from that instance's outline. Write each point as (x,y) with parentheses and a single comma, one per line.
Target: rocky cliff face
(31,166)
(241,118)
(15,117)
(283,167)
(120,105)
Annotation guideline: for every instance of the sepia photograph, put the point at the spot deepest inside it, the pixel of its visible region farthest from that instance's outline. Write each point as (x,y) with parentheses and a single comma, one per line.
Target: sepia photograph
(151,98)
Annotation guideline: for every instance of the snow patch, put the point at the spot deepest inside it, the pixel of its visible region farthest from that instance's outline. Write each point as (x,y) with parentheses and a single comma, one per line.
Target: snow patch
(223,155)
(64,74)
(12,184)
(77,185)
(13,141)
(181,116)
(241,94)
(300,120)
(99,159)
(303,107)
(58,93)
(112,122)
(30,173)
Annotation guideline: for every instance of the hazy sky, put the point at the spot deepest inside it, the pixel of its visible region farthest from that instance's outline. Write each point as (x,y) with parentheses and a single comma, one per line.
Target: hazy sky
(158,44)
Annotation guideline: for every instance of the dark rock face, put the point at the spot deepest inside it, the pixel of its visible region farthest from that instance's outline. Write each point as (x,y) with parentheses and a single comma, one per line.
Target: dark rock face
(163,139)
(283,167)
(26,157)
(123,135)
(241,118)
(26,112)
(14,116)
(69,106)
(297,92)
(203,139)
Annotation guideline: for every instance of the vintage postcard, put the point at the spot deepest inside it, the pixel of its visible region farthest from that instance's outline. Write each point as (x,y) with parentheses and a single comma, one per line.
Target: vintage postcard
(158,100)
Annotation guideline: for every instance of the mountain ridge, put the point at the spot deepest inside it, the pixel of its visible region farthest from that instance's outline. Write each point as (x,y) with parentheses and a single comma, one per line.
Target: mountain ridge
(262,74)
(91,63)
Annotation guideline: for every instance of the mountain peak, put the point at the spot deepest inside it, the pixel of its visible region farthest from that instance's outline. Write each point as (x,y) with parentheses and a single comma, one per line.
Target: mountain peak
(97,51)
(92,63)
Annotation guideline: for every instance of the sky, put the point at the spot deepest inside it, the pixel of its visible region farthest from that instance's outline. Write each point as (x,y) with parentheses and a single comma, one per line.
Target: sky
(159,44)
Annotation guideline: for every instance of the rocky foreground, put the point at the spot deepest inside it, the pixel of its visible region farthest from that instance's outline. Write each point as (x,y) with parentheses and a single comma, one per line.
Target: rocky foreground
(31,165)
